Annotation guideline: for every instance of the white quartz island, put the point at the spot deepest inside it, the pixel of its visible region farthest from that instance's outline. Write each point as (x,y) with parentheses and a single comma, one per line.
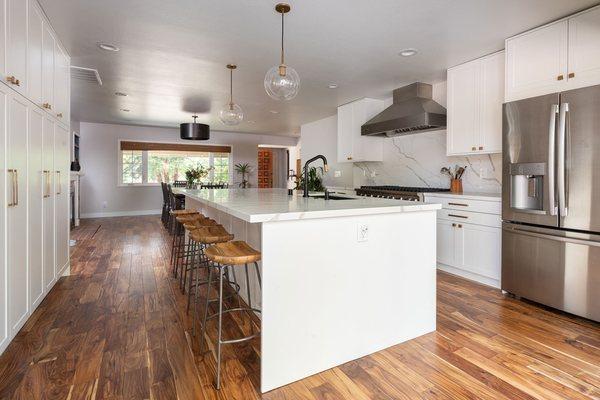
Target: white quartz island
(341,279)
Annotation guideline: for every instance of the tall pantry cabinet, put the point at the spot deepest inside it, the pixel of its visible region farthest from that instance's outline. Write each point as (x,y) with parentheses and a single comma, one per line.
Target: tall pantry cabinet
(34,162)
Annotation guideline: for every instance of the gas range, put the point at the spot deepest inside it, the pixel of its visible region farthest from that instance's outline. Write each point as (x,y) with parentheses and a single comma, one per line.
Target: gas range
(397,192)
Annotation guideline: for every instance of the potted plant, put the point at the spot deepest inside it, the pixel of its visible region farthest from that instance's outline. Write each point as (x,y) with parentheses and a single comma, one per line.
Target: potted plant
(315,180)
(195,175)
(243,169)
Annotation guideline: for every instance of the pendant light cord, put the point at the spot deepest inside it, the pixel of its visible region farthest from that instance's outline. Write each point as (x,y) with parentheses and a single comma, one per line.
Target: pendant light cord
(282,30)
(230,86)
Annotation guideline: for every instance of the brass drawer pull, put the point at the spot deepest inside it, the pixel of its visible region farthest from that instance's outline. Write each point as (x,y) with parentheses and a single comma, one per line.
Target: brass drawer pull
(460,225)
(454,225)
(458,216)
(480,147)
(13,80)
(348,158)
(458,204)
(560,78)
(572,75)
(473,148)
(47,106)
(59,115)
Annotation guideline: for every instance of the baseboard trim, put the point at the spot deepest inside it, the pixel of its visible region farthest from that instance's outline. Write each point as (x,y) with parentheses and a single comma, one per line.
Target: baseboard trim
(120,214)
(470,275)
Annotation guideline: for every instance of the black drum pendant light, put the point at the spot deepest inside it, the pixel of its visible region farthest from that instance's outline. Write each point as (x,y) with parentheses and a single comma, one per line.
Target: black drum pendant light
(194,130)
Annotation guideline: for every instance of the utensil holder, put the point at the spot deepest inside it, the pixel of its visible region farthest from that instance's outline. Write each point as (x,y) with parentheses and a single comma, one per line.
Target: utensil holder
(456,186)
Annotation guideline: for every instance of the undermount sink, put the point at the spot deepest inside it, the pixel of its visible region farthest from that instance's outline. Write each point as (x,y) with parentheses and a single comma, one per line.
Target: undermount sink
(331,197)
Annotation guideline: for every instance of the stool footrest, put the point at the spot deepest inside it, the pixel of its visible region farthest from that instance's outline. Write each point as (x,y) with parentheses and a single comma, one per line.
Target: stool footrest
(237,309)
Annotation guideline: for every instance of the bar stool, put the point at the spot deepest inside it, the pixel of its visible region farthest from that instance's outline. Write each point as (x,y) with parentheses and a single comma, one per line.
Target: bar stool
(176,230)
(182,248)
(230,254)
(202,237)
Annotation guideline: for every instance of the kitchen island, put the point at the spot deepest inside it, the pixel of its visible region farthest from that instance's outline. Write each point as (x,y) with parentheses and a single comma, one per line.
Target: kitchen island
(341,279)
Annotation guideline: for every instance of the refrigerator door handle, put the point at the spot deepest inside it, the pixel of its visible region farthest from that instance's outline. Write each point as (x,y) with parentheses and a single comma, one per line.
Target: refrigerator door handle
(562,189)
(551,158)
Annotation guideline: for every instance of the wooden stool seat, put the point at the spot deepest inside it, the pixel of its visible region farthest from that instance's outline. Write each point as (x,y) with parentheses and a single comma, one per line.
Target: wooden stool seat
(188,218)
(211,234)
(232,253)
(192,225)
(183,212)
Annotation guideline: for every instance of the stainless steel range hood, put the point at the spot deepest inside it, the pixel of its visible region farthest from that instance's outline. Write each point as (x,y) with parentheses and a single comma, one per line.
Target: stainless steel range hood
(413,111)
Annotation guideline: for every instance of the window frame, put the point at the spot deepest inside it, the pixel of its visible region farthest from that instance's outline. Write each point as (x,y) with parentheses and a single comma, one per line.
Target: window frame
(145,163)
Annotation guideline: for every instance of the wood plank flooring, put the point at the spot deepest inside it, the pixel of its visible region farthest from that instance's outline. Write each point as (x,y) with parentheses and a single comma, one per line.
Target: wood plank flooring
(117,329)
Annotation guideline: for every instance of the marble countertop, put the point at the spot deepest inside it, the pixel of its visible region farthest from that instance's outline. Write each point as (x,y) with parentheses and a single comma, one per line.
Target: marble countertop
(468,195)
(264,205)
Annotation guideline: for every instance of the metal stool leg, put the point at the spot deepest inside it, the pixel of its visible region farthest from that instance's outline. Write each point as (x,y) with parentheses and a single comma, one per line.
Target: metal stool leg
(248,286)
(203,333)
(220,328)
(258,275)
(193,275)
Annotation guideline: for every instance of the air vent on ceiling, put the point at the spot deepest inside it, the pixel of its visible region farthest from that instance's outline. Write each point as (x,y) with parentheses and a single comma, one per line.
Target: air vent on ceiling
(86,74)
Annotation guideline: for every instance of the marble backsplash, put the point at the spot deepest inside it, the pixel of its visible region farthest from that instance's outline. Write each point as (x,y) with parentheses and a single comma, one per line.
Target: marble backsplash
(416,160)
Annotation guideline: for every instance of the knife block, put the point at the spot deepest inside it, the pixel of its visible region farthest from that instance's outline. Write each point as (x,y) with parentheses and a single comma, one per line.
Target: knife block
(456,186)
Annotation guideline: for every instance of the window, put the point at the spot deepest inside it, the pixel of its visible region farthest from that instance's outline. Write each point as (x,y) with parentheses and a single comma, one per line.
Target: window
(145,163)
(131,161)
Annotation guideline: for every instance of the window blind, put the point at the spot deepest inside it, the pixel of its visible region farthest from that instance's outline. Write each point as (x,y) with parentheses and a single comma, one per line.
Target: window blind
(128,145)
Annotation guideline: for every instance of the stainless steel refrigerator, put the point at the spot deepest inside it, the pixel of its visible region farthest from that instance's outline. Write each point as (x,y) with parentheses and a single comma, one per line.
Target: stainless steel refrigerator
(551,200)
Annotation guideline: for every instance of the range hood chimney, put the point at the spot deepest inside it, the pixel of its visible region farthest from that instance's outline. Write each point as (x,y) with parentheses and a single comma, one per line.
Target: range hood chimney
(412,111)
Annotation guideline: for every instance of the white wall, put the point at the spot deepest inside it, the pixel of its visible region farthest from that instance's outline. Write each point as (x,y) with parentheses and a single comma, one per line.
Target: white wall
(413,160)
(99,162)
(320,137)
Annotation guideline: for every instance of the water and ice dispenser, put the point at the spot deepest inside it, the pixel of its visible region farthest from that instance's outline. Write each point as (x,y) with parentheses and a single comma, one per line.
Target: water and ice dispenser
(527,186)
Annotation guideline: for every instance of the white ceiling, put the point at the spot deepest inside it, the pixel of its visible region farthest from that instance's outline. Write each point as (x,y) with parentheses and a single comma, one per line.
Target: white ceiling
(173,52)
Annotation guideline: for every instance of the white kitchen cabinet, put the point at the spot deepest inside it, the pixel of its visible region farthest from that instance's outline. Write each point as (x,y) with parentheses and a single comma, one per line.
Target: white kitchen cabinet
(62,153)
(48,45)
(469,238)
(16,227)
(474,106)
(35,206)
(560,56)
(61,84)
(2,39)
(4,199)
(351,145)
(16,45)
(48,202)
(35,31)
(584,49)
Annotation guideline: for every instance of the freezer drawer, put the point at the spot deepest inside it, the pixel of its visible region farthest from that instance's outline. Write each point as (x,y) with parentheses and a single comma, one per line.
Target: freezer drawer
(552,267)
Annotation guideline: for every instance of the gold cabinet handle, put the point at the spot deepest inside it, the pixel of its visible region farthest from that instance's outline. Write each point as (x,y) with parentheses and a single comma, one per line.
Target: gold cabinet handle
(59,184)
(47,106)
(15,187)
(473,148)
(560,78)
(480,147)
(460,225)
(571,75)
(13,80)
(348,158)
(59,115)
(47,184)
(454,225)
(12,175)
(457,216)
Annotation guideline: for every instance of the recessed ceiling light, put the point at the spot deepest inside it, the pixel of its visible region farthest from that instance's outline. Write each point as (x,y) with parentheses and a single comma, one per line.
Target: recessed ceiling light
(274,111)
(408,52)
(120,94)
(108,47)
(332,86)
(125,109)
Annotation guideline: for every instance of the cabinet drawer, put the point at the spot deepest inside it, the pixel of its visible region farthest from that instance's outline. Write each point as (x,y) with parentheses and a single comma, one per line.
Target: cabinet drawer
(463,217)
(480,206)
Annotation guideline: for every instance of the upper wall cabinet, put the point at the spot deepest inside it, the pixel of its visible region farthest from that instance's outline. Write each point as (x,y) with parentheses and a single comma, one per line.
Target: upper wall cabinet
(474,106)
(35,31)
(560,56)
(351,145)
(16,45)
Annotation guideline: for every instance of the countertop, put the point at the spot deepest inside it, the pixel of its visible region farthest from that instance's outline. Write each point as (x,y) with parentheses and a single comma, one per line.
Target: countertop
(264,205)
(468,195)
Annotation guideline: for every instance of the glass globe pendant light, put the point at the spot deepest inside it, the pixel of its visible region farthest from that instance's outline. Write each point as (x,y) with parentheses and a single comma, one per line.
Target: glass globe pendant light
(282,82)
(231,114)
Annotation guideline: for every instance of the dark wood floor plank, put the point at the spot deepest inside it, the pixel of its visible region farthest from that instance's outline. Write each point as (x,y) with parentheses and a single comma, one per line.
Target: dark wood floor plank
(117,329)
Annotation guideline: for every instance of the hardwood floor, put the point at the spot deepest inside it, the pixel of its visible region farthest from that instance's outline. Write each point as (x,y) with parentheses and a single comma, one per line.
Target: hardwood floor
(117,329)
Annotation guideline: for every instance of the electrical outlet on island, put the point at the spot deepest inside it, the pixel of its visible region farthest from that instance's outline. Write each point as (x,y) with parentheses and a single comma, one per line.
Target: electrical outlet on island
(363,233)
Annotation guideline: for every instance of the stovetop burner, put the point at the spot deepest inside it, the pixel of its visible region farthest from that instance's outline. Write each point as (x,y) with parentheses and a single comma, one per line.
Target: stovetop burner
(405,189)
(397,192)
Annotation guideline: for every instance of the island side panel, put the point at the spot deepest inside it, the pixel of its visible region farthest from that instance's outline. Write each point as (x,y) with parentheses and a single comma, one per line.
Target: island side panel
(329,299)
(242,230)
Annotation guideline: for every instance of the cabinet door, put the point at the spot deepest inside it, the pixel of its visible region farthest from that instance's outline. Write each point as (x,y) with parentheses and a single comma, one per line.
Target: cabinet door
(4,180)
(366,148)
(48,44)
(48,202)
(584,49)
(61,190)
(3,38)
(492,97)
(536,62)
(446,243)
(34,53)
(481,250)
(61,84)
(344,133)
(18,304)
(16,44)
(463,108)
(35,196)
